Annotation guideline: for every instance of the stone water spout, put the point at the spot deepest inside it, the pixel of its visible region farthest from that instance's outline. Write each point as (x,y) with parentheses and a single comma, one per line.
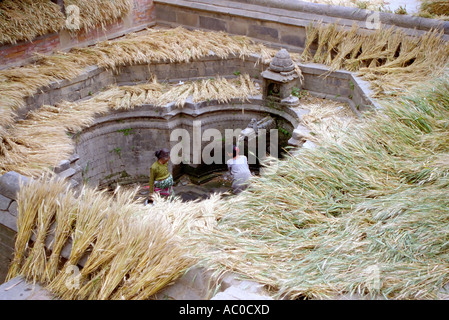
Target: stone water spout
(252,130)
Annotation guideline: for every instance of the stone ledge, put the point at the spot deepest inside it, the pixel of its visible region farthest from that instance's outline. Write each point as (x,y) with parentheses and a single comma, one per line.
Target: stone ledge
(301,14)
(10,184)
(8,220)
(405,21)
(4,203)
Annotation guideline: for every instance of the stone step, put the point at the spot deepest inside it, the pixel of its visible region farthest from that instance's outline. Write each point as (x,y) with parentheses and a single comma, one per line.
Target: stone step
(67,173)
(62,166)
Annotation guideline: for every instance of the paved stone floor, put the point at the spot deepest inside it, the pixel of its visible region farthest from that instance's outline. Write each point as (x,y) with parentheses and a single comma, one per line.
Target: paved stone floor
(19,289)
(189,191)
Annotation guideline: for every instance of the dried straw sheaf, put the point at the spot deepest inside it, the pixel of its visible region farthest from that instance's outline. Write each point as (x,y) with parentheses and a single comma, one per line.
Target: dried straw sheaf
(367,215)
(132,251)
(27,19)
(389,59)
(171,45)
(327,120)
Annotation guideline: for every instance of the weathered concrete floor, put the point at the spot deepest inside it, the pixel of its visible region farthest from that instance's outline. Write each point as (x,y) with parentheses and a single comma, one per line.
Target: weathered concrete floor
(194,285)
(19,289)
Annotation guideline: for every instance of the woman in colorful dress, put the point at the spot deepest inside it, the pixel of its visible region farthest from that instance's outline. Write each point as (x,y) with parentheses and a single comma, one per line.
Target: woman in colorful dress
(161,181)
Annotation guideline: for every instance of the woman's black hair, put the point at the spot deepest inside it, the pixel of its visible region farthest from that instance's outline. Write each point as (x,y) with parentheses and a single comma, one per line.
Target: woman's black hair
(162,154)
(234,151)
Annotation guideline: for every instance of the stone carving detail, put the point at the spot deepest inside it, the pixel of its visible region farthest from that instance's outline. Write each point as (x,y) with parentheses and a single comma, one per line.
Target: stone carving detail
(282,63)
(279,80)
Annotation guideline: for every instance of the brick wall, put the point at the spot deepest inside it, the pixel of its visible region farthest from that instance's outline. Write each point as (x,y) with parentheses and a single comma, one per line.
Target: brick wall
(141,16)
(143,11)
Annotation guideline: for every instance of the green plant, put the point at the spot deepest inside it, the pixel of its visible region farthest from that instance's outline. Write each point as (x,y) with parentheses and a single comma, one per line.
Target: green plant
(296,92)
(84,173)
(401,10)
(299,92)
(117,151)
(362,4)
(126,132)
(236,73)
(124,174)
(284,131)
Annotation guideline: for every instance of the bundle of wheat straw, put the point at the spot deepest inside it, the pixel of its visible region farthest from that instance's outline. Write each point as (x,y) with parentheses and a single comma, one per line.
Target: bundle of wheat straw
(173,45)
(132,253)
(91,211)
(27,19)
(65,217)
(35,265)
(30,199)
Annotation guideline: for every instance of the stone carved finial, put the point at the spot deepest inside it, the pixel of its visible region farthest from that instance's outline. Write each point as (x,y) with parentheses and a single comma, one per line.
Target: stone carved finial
(282,62)
(279,79)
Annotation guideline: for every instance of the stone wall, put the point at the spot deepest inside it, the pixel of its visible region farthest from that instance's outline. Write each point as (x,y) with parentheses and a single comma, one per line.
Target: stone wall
(91,81)
(206,67)
(120,146)
(337,85)
(279,22)
(10,184)
(141,16)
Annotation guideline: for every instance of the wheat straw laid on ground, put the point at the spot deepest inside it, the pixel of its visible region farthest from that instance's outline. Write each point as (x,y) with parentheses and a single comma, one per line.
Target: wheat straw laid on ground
(326,119)
(389,59)
(436,9)
(28,19)
(25,20)
(368,214)
(152,46)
